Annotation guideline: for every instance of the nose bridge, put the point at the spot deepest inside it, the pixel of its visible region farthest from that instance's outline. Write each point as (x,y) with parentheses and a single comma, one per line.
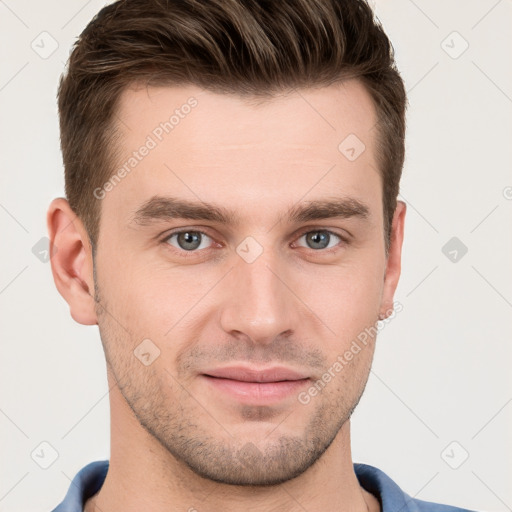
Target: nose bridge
(259,303)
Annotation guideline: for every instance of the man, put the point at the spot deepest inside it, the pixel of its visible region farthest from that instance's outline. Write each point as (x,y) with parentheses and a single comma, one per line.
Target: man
(231,225)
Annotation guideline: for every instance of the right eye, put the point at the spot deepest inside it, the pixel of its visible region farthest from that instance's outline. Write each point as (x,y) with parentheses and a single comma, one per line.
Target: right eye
(188,240)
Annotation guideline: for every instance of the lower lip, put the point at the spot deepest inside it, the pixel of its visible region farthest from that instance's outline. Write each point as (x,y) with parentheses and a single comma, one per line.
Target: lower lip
(257,391)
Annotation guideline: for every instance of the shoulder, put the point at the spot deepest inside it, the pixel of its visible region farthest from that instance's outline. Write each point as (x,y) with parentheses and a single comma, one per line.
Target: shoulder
(85,484)
(392,498)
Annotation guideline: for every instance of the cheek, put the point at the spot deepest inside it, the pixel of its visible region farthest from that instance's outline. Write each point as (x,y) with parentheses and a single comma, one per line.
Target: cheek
(144,290)
(346,298)
(163,304)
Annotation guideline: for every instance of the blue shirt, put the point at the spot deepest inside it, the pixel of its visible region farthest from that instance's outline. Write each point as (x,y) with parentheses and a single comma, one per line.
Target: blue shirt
(89,479)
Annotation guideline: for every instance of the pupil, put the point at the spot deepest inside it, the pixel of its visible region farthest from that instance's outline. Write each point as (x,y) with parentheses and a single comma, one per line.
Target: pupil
(319,237)
(189,240)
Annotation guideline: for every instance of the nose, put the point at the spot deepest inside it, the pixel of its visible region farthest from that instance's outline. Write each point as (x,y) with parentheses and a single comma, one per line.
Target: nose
(259,301)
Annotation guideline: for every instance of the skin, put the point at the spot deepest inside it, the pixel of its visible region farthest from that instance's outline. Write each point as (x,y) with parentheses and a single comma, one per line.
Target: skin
(177,443)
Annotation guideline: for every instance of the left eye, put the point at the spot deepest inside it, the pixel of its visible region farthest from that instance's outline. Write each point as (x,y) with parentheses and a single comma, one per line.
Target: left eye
(321,239)
(188,240)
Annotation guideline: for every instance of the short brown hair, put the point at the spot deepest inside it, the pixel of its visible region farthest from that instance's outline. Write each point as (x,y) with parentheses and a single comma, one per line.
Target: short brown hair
(251,48)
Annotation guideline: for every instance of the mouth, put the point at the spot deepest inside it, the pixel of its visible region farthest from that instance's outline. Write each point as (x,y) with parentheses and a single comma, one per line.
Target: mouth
(257,386)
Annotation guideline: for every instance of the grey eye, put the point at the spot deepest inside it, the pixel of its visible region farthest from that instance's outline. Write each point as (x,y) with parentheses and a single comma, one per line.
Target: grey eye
(321,239)
(188,240)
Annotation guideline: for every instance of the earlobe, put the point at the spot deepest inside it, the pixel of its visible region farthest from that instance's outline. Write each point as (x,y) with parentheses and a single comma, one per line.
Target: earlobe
(71,261)
(394,260)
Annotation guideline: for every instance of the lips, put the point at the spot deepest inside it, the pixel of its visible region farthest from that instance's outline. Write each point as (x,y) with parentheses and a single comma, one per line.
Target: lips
(245,374)
(254,386)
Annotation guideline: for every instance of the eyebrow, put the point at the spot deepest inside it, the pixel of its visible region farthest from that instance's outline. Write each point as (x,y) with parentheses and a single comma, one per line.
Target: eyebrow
(164,208)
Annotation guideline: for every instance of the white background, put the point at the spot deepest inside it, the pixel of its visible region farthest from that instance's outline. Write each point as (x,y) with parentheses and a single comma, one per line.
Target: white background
(442,367)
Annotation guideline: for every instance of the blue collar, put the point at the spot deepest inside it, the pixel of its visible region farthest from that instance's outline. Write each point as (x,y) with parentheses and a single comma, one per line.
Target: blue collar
(89,479)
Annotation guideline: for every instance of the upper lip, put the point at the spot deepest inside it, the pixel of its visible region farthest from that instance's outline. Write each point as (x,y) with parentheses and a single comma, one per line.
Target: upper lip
(243,373)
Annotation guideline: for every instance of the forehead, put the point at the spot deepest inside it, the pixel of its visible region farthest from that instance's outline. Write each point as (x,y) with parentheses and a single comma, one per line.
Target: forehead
(309,117)
(222,148)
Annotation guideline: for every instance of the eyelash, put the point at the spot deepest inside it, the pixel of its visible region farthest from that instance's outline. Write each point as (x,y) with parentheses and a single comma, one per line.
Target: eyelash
(189,254)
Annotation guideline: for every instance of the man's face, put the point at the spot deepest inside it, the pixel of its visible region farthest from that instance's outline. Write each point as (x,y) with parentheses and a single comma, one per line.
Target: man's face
(263,290)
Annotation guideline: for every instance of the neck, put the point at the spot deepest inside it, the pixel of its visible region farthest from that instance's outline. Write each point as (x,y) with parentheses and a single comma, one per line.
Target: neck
(143,475)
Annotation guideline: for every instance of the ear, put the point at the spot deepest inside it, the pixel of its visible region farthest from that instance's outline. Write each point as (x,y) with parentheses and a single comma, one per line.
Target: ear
(71,261)
(394,260)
